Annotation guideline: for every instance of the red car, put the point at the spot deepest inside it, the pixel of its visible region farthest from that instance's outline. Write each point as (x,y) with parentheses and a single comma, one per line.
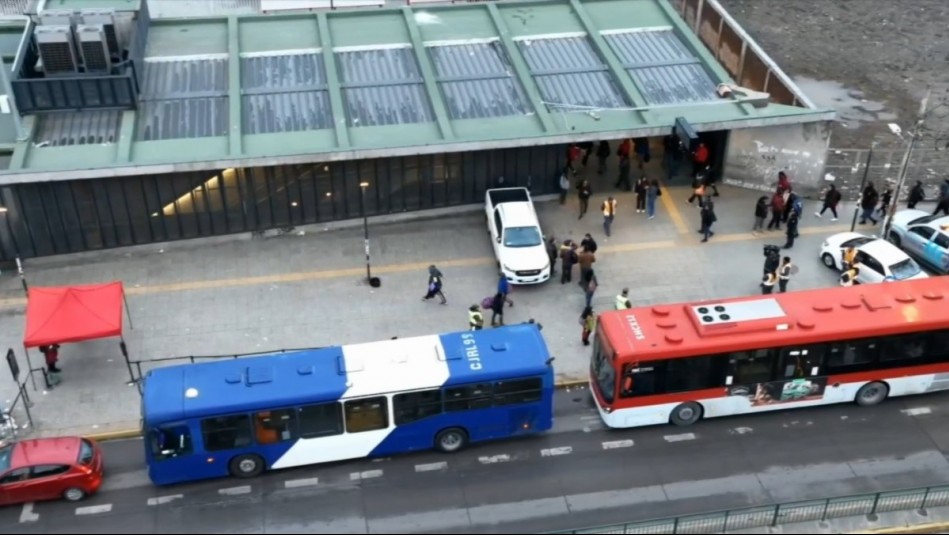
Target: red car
(48,469)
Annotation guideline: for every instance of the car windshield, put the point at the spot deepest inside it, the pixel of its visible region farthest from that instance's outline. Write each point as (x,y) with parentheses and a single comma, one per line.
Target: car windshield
(522,237)
(857,242)
(603,371)
(905,269)
(6,455)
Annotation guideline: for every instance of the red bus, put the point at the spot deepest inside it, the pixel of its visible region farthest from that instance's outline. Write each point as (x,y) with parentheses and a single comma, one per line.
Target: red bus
(684,362)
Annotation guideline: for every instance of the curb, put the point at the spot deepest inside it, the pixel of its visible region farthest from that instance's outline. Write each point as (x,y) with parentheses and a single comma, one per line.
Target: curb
(935,527)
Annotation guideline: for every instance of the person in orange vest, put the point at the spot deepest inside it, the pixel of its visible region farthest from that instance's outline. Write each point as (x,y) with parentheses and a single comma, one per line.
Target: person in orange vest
(849,254)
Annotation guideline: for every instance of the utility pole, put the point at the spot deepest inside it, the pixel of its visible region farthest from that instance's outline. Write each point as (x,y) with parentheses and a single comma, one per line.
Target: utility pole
(914,135)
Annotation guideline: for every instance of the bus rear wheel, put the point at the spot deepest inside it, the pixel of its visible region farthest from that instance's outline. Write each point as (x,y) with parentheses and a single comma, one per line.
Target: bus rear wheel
(246,466)
(451,440)
(686,414)
(872,394)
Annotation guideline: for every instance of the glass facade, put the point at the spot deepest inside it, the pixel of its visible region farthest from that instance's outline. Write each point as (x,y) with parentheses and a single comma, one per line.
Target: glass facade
(52,218)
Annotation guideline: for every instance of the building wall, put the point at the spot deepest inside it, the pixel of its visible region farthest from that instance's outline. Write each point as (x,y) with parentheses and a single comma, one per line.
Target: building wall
(63,217)
(755,156)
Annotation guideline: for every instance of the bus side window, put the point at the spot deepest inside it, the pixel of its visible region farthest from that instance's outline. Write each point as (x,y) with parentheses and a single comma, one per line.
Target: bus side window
(855,353)
(226,432)
(271,427)
(752,367)
(172,440)
(367,414)
(801,362)
(640,380)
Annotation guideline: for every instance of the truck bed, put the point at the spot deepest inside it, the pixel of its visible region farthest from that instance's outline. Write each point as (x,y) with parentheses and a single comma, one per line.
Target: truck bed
(502,195)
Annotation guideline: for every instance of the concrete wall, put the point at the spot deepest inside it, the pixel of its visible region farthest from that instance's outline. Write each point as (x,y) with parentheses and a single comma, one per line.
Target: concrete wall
(755,155)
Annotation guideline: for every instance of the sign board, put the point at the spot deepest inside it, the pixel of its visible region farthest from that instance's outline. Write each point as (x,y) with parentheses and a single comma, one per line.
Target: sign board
(14,365)
(686,134)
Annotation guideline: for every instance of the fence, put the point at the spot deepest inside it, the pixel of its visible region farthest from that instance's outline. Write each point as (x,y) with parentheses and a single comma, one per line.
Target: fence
(929,165)
(787,513)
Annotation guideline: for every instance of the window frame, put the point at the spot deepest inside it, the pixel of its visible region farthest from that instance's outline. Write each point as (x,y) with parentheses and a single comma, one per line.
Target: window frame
(292,425)
(536,388)
(62,469)
(421,410)
(472,401)
(338,414)
(247,425)
(926,228)
(382,401)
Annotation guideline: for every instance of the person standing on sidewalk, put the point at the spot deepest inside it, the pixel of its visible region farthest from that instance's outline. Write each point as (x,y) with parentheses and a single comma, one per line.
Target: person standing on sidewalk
(504,288)
(831,200)
(584,192)
(497,310)
(641,186)
(943,203)
(586,258)
(652,192)
(588,243)
(777,210)
(792,229)
(434,285)
(868,201)
(699,159)
(609,212)
(475,318)
(767,285)
(587,324)
(573,157)
(761,213)
(916,195)
(784,274)
(885,200)
(708,219)
(602,154)
(568,257)
(622,301)
(51,357)
(589,286)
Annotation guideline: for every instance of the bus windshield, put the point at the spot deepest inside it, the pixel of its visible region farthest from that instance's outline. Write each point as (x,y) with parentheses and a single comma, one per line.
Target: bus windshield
(603,371)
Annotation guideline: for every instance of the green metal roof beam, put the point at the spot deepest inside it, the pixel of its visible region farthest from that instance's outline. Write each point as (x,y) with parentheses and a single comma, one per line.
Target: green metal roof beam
(428,74)
(235,132)
(332,82)
(521,69)
(627,83)
(694,43)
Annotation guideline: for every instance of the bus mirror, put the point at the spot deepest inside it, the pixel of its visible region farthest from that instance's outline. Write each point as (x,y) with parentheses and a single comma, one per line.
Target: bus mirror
(550,361)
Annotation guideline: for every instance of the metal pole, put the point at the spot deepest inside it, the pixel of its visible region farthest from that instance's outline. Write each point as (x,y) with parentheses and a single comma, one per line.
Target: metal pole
(914,135)
(863,185)
(128,312)
(365,225)
(19,269)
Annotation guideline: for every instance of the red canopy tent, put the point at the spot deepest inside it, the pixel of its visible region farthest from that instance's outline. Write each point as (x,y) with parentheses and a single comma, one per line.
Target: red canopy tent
(64,314)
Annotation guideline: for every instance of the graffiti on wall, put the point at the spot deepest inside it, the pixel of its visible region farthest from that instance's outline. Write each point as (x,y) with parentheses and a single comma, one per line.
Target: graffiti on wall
(756,155)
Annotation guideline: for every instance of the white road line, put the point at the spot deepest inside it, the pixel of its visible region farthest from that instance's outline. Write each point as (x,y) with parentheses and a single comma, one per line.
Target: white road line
(368,474)
(553,452)
(918,411)
(27,515)
(94,509)
(234,491)
(617,444)
(741,431)
(494,459)
(679,438)
(431,467)
(298,483)
(161,500)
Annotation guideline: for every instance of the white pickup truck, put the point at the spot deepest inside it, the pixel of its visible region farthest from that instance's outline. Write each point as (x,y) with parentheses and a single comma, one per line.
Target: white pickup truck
(516,235)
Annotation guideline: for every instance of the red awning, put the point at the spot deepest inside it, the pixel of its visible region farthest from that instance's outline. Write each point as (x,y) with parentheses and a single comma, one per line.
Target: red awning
(59,315)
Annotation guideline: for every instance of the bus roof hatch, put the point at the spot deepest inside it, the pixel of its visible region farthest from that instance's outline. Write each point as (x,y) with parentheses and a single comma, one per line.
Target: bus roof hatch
(747,316)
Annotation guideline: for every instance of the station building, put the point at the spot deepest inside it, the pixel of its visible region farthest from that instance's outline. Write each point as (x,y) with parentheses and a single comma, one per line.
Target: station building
(118,128)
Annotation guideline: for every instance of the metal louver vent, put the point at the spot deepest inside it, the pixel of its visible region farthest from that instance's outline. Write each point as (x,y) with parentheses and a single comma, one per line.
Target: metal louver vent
(106,19)
(57,51)
(95,51)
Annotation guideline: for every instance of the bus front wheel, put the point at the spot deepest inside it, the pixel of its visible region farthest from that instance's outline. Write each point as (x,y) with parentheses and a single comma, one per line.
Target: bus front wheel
(872,394)
(451,440)
(686,414)
(246,466)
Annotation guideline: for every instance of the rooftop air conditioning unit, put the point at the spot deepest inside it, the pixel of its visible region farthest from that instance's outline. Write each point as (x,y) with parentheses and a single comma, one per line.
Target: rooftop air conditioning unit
(106,19)
(94,49)
(57,49)
(56,17)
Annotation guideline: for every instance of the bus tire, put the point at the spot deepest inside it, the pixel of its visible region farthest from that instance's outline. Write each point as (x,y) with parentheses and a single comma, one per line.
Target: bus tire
(451,440)
(872,394)
(246,466)
(686,414)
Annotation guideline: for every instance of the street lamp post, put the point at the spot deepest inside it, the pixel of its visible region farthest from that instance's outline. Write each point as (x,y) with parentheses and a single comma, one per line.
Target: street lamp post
(914,135)
(363,186)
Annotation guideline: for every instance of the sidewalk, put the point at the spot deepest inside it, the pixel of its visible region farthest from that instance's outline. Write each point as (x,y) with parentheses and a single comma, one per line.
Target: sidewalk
(305,289)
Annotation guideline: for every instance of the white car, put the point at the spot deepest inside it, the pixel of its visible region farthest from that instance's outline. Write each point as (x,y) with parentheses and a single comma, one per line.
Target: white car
(516,236)
(924,236)
(878,259)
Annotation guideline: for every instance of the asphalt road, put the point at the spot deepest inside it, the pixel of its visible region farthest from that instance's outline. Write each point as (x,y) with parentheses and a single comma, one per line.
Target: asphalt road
(579,474)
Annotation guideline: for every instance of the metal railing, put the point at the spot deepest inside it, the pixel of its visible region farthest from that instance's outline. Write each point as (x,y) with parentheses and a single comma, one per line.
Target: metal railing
(786,513)
(138,364)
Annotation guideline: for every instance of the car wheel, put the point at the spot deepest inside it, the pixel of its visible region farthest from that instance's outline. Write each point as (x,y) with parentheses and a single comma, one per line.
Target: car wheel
(246,466)
(686,414)
(451,440)
(871,394)
(894,239)
(74,494)
(828,261)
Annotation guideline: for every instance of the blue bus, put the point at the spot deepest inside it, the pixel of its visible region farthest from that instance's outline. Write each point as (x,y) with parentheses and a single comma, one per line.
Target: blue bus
(240,417)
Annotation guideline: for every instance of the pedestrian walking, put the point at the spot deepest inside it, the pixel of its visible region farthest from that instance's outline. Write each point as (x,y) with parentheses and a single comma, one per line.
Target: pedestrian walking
(586,260)
(588,243)
(708,219)
(698,191)
(784,183)
(699,159)
(584,192)
(916,195)
(761,213)
(767,284)
(622,181)
(587,324)
(609,212)
(564,183)
(475,318)
(831,200)
(589,286)
(552,252)
(784,274)
(602,154)
(777,210)
(943,204)
(791,230)
(885,200)
(642,185)
(504,288)
(573,157)
(652,192)
(622,301)
(435,278)
(868,201)
(568,257)
(497,310)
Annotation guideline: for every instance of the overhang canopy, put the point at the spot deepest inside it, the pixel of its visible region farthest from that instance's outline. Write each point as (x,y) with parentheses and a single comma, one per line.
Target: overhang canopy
(64,314)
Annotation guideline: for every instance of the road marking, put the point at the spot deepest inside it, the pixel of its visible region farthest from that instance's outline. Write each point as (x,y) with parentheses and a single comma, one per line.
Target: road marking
(298,483)
(27,515)
(368,474)
(918,411)
(494,459)
(431,467)
(94,509)
(616,444)
(669,204)
(679,438)
(234,491)
(161,500)
(741,431)
(553,452)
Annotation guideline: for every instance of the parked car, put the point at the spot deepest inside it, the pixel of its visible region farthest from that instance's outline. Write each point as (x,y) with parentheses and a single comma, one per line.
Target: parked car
(516,236)
(878,260)
(48,469)
(923,236)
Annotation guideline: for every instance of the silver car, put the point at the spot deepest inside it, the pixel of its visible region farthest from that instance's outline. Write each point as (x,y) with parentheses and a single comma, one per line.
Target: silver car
(923,236)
